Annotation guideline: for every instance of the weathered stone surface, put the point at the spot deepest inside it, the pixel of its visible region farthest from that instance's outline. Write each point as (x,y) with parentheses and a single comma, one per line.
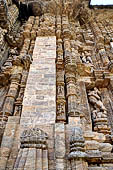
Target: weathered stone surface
(56,85)
(95,168)
(99,137)
(77,150)
(91,145)
(105,147)
(43,84)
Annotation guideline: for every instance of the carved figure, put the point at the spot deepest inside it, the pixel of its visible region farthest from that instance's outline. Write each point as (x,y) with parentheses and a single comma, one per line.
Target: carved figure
(86,59)
(89,60)
(60,109)
(94,98)
(83,58)
(13,51)
(2,33)
(99,112)
(60,90)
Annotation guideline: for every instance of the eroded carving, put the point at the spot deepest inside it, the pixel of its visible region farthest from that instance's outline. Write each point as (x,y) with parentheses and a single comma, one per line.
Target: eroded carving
(99,112)
(33,138)
(77,144)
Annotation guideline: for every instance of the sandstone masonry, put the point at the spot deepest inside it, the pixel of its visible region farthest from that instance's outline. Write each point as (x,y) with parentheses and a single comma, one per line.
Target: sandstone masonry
(56,85)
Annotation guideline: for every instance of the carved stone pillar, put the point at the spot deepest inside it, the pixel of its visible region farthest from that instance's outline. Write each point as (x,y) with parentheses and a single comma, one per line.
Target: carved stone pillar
(97,32)
(70,67)
(11,96)
(26,60)
(71,93)
(77,153)
(19,63)
(58,25)
(61,115)
(33,152)
(28,27)
(9,145)
(18,102)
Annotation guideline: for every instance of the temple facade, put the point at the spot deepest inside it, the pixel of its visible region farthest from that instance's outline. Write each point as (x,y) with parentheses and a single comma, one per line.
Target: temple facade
(56,85)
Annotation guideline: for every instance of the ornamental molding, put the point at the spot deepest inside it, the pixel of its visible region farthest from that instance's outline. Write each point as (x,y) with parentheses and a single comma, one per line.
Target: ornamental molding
(34,138)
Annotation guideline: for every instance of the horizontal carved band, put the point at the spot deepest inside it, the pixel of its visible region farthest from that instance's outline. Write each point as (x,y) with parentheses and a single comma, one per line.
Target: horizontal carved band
(33,137)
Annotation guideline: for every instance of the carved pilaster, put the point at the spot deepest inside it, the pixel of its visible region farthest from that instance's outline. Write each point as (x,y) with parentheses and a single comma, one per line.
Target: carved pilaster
(33,150)
(11,96)
(18,102)
(70,67)
(97,32)
(71,94)
(77,153)
(61,115)
(61,112)
(18,64)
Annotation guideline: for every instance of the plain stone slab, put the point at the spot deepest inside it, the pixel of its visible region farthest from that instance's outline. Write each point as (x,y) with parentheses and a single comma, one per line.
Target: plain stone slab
(39,103)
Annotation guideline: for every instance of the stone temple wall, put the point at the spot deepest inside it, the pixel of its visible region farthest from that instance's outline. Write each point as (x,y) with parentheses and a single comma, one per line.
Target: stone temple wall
(56,86)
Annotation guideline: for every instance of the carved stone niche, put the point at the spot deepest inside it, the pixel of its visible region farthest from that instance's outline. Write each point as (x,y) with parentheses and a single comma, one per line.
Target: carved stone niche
(33,138)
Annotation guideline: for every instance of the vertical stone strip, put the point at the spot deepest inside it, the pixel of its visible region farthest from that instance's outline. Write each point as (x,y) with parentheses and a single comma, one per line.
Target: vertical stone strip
(18,159)
(61,115)
(61,101)
(39,159)
(60,146)
(45,159)
(11,96)
(30,161)
(8,140)
(14,150)
(21,159)
(77,153)
(39,104)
